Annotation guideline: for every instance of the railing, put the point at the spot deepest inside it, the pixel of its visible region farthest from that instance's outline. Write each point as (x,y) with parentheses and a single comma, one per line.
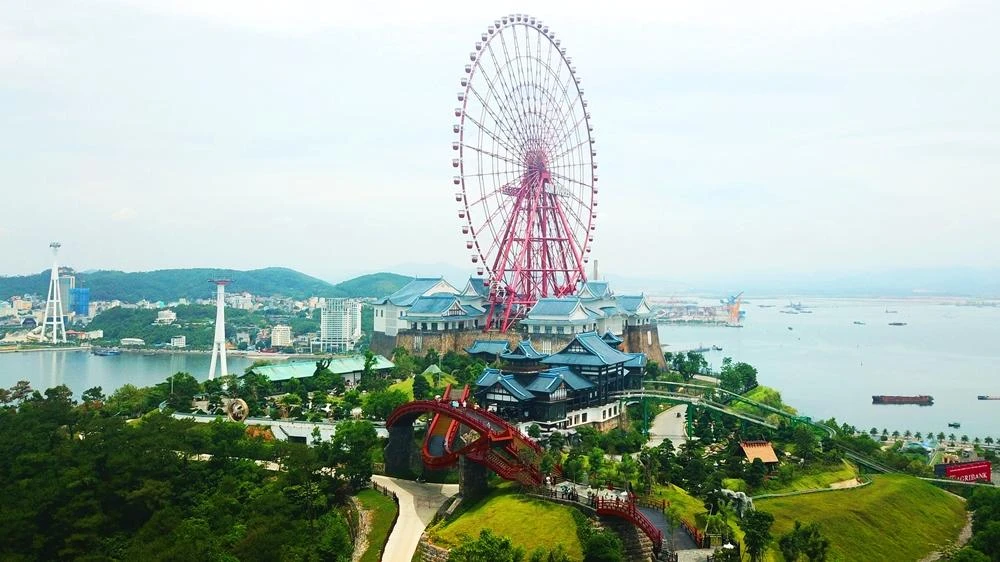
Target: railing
(628,510)
(389,493)
(697,536)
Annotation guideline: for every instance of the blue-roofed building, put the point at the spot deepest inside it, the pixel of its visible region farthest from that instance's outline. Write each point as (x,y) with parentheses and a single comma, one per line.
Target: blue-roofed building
(612,340)
(442,312)
(389,311)
(596,290)
(488,350)
(565,315)
(636,309)
(545,397)
(524,357)
(589,356)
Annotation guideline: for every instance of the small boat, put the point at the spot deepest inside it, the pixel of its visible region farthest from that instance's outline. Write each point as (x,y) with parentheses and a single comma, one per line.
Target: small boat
(956,425)
(887,311)
(716,348)
(789,327)
(106,351)
(859,323)
(921,400)
(897,323)
(988,397)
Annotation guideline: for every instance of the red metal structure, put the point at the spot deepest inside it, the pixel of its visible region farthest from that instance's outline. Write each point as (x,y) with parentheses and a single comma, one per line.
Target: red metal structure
(483,437)
(526,169)
(459,429)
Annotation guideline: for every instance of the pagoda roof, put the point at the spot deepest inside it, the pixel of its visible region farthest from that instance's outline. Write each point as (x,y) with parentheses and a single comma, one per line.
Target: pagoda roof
(759,450)
(637,361)
(476,287)
(492,376)
(490,347)
(611,339)
(524,351)
(550,380)
(565,310)
(444,305)
(587,349)
(418,287)
(595,290)
(633,304)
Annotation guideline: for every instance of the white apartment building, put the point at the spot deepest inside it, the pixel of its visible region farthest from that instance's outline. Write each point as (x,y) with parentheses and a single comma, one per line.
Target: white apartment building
(178,341)
(166,317)
(339,326)
(281,336)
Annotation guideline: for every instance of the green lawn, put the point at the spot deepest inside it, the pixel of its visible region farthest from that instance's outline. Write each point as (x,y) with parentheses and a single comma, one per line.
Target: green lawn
(897,517)
(688,505)
(811,478)
(383,512)
(406,385)
(529,522)
(765,395)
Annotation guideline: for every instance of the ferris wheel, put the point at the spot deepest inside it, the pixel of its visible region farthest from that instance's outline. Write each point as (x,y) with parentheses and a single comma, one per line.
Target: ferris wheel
(526,171)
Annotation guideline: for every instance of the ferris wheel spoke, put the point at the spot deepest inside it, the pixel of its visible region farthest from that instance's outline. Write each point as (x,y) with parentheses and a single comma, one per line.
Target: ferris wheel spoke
(568,132)
(572,148)
(502,123)
(507,90)
(513,81)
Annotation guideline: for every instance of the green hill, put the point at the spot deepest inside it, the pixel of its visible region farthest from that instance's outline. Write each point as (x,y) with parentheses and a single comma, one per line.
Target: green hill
(895,518)
(171,284)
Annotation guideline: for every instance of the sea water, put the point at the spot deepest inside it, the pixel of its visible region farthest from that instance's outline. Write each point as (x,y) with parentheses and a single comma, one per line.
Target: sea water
(826,366)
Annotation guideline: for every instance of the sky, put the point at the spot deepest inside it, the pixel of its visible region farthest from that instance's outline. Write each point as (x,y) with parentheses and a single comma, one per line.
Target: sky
(733,138)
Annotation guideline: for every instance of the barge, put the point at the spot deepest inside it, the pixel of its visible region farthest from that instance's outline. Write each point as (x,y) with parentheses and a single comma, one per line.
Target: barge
(921,400)
(988,397)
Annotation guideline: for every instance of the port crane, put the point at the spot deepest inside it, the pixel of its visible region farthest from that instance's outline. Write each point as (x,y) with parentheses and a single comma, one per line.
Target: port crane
(733,306)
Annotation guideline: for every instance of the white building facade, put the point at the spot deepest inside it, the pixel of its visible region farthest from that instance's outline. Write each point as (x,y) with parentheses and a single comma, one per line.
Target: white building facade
(281,336)
(339,326)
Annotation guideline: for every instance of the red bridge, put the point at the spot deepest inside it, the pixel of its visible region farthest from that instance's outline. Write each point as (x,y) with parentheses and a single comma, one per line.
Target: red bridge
(459,429)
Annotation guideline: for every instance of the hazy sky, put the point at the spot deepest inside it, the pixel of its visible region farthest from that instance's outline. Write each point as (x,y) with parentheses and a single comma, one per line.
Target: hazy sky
(732,137)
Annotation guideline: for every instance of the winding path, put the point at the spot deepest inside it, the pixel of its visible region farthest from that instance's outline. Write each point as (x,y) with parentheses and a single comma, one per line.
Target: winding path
(669,424)
(418,502)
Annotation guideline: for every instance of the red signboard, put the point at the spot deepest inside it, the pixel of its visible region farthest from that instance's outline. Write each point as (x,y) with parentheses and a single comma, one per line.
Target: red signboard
(965,471)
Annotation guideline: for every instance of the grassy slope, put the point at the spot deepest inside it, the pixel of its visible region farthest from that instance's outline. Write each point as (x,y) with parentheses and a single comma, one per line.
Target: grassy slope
(688,505)
(813,479)
(383,512)
(406,385)
(530,523)
(895,518)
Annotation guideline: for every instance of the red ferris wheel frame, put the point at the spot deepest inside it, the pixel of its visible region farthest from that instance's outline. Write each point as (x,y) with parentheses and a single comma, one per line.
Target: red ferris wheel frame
(526,168)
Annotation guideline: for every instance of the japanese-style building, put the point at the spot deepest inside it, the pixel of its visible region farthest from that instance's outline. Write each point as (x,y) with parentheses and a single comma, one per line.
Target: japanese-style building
(560,390)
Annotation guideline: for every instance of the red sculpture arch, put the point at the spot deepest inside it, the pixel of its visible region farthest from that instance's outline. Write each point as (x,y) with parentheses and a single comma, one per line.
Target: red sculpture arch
(487,439)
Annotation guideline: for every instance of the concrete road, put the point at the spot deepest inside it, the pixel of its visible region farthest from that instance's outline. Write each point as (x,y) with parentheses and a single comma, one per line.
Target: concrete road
(668,425)
(418,502)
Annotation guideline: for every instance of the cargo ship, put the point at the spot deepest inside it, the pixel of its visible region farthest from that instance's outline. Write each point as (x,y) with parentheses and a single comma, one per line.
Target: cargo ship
(988,397)
(922,400)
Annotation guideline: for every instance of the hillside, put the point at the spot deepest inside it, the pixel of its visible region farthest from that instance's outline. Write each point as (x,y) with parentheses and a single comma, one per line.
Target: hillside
(895,518)
(171,284)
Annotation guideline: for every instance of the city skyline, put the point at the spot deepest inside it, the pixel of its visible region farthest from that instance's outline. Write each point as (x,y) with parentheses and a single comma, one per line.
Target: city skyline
(766,140)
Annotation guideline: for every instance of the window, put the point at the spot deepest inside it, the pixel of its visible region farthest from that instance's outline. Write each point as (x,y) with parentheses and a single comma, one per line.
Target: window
(461,325)
(585,417)
(434,325)
(423,325)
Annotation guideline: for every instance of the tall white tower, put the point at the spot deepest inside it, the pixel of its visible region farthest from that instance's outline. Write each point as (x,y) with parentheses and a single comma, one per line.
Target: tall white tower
(53,305)
(219,343)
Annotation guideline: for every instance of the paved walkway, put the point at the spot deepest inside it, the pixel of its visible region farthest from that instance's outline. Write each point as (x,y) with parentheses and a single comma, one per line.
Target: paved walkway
(418,502)
(668,425)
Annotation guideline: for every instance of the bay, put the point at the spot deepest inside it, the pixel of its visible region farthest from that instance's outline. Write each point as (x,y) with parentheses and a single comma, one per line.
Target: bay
(80,370)
(827,366)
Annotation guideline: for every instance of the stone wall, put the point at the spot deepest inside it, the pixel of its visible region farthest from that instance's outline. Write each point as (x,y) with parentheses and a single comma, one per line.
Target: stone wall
(382,344)
(644,339)
(430,553)
(445,341)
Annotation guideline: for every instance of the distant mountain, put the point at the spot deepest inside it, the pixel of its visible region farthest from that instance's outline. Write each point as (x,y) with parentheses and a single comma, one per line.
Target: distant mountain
(372,285)
(171,284)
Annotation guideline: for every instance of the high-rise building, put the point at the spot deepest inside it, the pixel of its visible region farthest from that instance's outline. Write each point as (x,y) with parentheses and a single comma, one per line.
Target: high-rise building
(66,285)
(80,297)
(281,336)
(339,325)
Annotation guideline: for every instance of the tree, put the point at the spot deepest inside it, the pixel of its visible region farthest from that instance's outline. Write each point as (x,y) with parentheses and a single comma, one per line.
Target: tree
(487,548)
(603,546)
(351,450)
(93,395)
(804,540)
(556,441)
(421,388)
(756,527)
(380,404)
(988,440)
(20,391)
(940,436)
(756,473)
(534,431)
